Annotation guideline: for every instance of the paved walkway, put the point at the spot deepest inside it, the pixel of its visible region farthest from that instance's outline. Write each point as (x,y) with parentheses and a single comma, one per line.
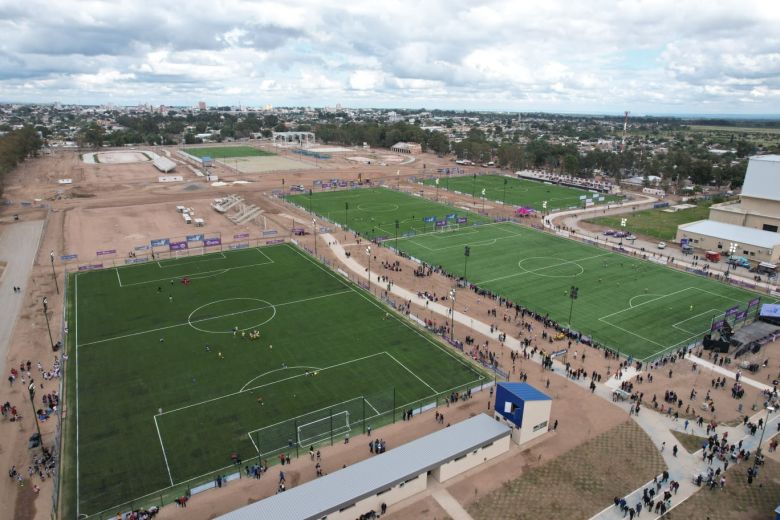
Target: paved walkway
(682,468)
(18,246)
(729,373)
(446,501)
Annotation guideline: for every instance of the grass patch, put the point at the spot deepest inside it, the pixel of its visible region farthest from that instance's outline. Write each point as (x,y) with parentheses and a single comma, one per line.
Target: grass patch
(222,152)
(655,223)
(691,443)
(166,391)
(579,483)
(519,192)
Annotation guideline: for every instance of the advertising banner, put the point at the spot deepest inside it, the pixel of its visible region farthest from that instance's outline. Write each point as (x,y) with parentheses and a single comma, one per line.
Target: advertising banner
(461,220)
(178,246)
(195,238)
(241,235)
(160,242)
(441,223)
(142,248)
(106,252)
(429,219)
(90,267)
(67,258)
(212,242)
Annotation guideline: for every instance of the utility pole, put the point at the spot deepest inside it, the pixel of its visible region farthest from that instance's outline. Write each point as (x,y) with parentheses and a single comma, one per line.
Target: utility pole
(31,390)
(309,200)
(452,313)
(46,315)
(396,234)
(505,181)
(346,215)
(314,225)
(53,272)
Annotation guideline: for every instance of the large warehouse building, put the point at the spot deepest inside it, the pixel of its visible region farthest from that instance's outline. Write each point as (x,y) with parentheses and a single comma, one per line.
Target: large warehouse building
(751,223)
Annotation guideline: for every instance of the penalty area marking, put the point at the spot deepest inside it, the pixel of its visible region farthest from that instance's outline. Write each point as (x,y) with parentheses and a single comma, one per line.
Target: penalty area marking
(277,370)
(362,207)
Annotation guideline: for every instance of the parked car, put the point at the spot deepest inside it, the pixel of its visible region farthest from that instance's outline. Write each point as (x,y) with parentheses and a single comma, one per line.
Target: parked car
(661,245)
(610,232)
(631,237)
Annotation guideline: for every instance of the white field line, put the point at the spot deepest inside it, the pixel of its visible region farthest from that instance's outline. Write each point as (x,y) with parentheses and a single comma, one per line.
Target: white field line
(415,375)
(165,457)
(309,412)
(372,406)
(453,232)
(479,243)
(531,271)
(393,314)
(178,260)
(632,333)
(267,384)
(214,318)
(191,275)
(275,370)
(708,311)
(646,302)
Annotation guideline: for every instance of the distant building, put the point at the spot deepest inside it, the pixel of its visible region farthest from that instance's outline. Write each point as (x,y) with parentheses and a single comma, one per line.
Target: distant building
(407,148)
(751,223)
(201,105)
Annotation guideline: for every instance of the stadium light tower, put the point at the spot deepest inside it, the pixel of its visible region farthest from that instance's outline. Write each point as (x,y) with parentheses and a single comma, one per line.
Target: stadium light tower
(625,128)
(314,226)
(573,293)
(46,315)
(437,188)
(544,207)
(466,254)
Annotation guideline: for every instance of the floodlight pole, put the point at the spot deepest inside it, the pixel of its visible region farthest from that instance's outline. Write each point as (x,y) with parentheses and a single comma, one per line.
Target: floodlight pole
(452,314)
(769,410)
(53,272)
(573,295)
(46,315)
(396,235)
(314,225)
(466,254)
(505,181)
(474,189)
(368,252)
(346,215)
(309,200)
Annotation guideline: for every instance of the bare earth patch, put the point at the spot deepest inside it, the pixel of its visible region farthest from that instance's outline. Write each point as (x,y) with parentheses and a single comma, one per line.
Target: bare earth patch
(691,443)
(579,483)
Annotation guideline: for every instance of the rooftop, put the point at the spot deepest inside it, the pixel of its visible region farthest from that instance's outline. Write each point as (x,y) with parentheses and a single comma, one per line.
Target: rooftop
(762,179)
(734,233)
(525,392)
(343,488)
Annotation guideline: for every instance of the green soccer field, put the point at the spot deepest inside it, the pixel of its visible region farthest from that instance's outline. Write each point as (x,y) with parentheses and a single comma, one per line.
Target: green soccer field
(635,306)
(373,212)
(223,152)
(519,192)
(655,223)
(166,391)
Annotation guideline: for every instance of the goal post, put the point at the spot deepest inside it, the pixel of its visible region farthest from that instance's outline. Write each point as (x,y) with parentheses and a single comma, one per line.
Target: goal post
(318,430)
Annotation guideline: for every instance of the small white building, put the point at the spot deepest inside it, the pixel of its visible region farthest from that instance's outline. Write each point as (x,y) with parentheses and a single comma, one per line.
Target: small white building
(406,148)
(524,409)
(387,478)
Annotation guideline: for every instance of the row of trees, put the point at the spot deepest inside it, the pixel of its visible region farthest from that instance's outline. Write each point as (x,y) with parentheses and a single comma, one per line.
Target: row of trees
(382,135)
(15,147)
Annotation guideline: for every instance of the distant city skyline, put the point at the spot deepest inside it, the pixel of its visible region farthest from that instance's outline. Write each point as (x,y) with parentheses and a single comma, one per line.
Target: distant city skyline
(660,57)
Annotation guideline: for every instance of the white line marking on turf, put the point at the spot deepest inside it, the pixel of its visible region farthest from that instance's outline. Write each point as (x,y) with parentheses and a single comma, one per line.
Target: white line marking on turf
(275,370)
(213,318)
(202,274)
(708,311)
(531,271)
(268,384)
(372,406)
(163,450)
(415,375)
(76,308)
(646,302)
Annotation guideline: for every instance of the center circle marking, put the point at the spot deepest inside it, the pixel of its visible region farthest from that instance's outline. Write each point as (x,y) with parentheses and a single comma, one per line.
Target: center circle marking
(266,305)
(556,262)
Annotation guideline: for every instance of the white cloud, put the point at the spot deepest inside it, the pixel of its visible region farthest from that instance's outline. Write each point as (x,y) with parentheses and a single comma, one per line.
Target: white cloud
(651,56)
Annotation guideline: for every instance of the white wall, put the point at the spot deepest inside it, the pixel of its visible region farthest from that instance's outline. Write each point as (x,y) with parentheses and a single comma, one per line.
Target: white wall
(471,459)
(534,414)
(396,494)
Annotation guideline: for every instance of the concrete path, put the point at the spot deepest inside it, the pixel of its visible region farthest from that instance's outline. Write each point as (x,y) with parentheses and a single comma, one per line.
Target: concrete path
(728,373)
(18,247)
(447,502)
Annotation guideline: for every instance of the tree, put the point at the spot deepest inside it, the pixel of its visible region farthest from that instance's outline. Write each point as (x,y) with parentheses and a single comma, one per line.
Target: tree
(91,135)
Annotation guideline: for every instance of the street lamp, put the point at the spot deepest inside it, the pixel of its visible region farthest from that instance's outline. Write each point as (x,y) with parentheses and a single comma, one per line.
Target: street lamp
(346,215)
(573,293)
(623,222)
(732,249)
(544,207)
(31,390)
(53,272)
(368,252)
(452,313)
(769,410)
(309,200)
(397,224)
(314,225)
(437,188)
(474,189)
(466,254)
(483,200)
(46,315)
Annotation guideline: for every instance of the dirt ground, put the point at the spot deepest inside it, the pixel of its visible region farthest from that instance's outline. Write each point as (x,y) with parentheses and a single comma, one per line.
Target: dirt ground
(120,206)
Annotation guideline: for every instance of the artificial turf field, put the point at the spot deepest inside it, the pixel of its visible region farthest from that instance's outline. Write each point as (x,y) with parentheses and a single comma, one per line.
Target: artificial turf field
(372,212)
(519,192)
(165,392)
(222,152)
(635,306)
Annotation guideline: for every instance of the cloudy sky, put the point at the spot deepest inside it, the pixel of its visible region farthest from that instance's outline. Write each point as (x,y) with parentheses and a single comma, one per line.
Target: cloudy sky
(664,56)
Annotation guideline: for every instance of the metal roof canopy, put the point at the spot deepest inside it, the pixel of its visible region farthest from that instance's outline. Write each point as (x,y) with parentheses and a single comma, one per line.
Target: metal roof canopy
(733,233)
(344,487)
(525,391)
(762,179)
